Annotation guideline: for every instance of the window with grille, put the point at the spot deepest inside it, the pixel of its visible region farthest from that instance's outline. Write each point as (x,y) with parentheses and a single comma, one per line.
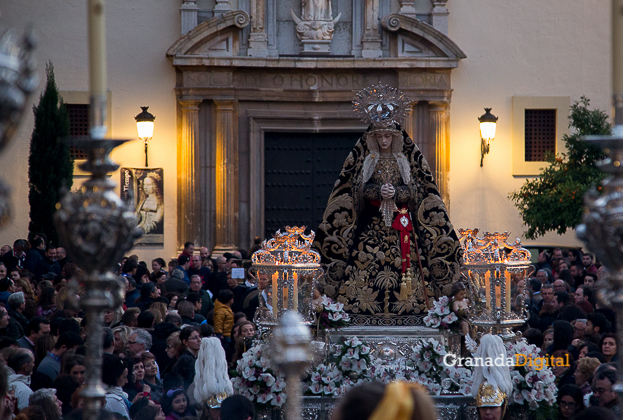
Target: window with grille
(540,134)
(78,126)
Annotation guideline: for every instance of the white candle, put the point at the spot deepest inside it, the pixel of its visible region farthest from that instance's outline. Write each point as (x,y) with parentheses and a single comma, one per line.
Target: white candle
(296,292)
(275,291)
(488,289)
(97,47)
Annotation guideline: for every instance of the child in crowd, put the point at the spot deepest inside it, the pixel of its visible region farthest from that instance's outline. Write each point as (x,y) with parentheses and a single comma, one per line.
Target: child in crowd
(175,405)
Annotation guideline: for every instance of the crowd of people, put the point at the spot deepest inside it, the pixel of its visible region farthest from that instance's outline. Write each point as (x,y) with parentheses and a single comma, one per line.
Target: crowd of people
(566,320)
(151,343)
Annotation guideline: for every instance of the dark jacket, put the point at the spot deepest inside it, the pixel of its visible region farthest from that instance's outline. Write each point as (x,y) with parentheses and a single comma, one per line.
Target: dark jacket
(159,337)
(17,325)
(216,282)
(203,272)
(130,298)
(185,367)
(175,286)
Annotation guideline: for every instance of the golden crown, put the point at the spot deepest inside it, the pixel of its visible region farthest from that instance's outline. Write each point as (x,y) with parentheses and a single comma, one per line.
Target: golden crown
(488,396)
(215,401)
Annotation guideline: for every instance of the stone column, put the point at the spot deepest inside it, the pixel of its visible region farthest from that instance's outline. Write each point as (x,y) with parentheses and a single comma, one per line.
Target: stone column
(407,8)
(440,15)
(258,40)
(222,6)
(439,138)
(408,122)
(371,47)
(187,183)
(226,180)
(188,12)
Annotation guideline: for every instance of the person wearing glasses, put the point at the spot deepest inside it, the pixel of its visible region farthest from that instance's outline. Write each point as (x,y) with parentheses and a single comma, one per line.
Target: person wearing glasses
(569,401)
(602,389)
(191,343)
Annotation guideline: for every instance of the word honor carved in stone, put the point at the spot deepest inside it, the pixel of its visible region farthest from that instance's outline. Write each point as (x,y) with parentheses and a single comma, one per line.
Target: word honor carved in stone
(316,26)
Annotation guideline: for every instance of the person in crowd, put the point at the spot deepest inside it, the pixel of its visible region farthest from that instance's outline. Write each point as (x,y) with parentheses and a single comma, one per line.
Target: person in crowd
(185,366)
(129,318)
(160,335)
(75,366)
(31,413)
(223,315)
(150,377)
(139,342)
(22,362)
(186,310)
(43,345)
(237,407)
(135,381)
(563,336)
(17,321)
(570,401)
(46,399)
(159,309)
(35,328)
(547,315)
(197,269)
(47,302)
(51,364)
(157,265)
(602,389)
(206,300)
(132,293)
(160,277)
(176,283)
(149,294)
(146,320)
(65,386)
(608,345)
(176,406)
(152,412)
(174,350)
(115,376)
(586,347)
(562,371)
(184,265)
(584,371)
(548,339)
(112,317)
(596,324)
(394,401)
(120,343)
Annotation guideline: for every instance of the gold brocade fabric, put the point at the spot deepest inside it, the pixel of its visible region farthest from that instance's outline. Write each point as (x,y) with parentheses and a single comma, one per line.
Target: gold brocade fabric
(362,254)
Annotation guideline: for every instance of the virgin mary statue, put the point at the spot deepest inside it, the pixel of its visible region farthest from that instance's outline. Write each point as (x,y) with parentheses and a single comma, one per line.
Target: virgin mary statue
(385,238)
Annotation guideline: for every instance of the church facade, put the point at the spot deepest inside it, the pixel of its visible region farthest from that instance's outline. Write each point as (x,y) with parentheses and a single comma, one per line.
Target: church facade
(253,110)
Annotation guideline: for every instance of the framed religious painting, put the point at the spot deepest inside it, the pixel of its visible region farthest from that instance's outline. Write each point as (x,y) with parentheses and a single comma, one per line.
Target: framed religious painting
(143,189)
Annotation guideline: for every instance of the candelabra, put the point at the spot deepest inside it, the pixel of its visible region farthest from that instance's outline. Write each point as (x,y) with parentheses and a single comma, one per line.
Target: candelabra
(97,228)
(17,81)
(291,355)
(490,263)
(292,267)
(602,230)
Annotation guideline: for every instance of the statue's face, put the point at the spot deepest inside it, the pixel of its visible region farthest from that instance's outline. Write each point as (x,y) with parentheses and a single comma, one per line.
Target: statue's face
(384,139)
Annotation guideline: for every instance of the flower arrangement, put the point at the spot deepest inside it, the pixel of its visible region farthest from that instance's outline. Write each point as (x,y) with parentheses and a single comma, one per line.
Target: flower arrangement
(256,381)
(353,358)
(438,378)
(533,388)
(331,315)
(441,315)
(328,381)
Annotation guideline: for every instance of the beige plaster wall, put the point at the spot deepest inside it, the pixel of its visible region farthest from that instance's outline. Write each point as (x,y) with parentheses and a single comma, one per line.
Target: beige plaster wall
(138,34)
(535,48)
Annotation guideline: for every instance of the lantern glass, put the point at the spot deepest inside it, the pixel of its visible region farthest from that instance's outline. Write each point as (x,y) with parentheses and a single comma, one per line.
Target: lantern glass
(487,130)
(145,129)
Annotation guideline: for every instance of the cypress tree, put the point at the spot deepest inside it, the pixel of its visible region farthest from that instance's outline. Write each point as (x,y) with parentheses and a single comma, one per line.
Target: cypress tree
(50,165)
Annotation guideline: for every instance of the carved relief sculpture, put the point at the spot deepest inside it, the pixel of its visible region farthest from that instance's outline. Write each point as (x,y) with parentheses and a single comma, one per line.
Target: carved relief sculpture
(316,26)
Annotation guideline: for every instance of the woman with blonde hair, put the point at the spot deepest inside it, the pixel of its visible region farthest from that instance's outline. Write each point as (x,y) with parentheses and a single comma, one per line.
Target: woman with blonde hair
(120,341)
(159,309)
(394,401)
(23,285)
(584,371)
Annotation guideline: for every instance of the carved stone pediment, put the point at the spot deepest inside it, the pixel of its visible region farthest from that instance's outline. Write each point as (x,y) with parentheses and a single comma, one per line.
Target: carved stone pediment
(419,39)
(215,37)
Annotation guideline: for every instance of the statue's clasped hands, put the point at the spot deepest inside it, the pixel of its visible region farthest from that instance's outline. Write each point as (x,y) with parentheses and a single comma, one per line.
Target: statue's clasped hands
(387,191)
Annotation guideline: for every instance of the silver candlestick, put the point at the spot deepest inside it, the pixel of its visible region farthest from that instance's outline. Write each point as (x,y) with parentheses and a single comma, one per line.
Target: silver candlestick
(17,81)
(97,228)
(291,354)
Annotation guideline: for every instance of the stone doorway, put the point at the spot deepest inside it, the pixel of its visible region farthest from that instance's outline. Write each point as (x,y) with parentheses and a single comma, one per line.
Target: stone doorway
(300,170)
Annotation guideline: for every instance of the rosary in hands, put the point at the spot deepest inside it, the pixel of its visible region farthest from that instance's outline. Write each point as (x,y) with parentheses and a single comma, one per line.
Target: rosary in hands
(387,191)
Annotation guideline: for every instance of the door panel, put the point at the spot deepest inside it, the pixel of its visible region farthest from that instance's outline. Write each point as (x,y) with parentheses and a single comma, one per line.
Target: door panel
(300,171)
